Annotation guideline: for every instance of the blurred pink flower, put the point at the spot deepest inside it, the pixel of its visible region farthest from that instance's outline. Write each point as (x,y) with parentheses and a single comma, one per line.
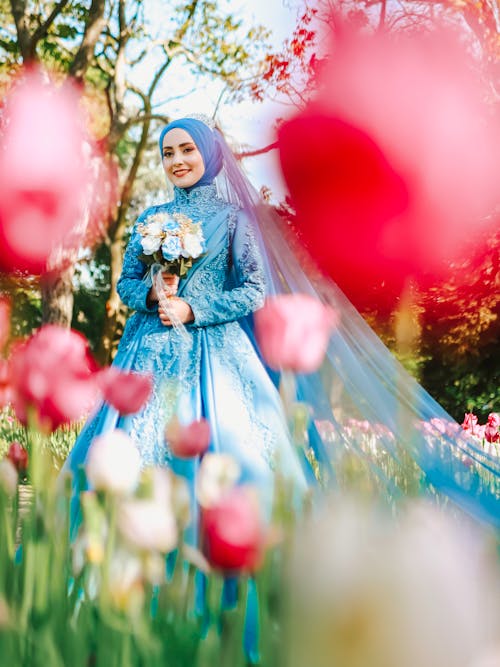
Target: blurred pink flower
(234,537)
(126,391)
(492,428)
(187,441)
(43,174)
(18,456)
(53,375)
(293,332)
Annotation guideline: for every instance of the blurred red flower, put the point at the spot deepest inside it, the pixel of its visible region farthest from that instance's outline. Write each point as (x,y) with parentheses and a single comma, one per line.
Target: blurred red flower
(126,391)
(190,440)
(293,332)
(233,534)
(18,455)
(5,388)
(393,168)
(52,376)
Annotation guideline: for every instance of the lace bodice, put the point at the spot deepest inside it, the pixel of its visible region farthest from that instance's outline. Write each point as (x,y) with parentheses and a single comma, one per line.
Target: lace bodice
(226,284)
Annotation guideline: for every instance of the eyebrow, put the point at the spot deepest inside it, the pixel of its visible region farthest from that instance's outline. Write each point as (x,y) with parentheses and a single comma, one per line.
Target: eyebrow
(186,143)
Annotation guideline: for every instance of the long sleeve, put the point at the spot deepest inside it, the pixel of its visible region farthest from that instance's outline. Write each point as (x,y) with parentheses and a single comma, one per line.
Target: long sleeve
(132,289)
(248,293)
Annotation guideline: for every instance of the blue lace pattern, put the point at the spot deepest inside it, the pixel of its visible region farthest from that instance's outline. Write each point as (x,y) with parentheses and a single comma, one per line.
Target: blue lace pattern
(227,285)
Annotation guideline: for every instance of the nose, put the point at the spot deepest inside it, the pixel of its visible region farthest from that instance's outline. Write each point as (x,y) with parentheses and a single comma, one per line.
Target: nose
(177,158)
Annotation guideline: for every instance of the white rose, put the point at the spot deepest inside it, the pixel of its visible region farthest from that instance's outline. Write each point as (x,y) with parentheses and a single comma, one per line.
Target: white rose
(217,474)
(151,244)
(114,463)
(148,525)
(192,246)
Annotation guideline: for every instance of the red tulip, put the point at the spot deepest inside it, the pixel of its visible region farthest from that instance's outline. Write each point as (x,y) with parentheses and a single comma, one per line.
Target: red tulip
(470,421)
(234,537)
(53,375)
(125,391)
(43,176)
(188,441)
(492,429)
(293,332)
(386,185)
(18,455)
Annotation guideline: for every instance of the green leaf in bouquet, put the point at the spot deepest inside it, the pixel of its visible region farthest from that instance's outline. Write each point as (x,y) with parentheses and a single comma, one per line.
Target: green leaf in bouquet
(149,260)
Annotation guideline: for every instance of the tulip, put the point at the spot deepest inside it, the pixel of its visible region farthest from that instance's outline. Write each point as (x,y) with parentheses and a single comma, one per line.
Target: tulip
(125,391)
(52,374)
(470,422)
(293,332)
(188,441)
(492,428)
(218,473)
(114,463)
(233,532)
(147,525)
(18,456)
(43,176)
(8,477)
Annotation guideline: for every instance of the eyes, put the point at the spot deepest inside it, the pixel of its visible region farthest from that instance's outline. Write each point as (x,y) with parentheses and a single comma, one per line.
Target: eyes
(186,149)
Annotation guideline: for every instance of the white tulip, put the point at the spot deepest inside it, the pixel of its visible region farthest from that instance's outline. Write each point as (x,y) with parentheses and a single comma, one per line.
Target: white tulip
(147,525)
(8,477)
(114,463)
(217,474)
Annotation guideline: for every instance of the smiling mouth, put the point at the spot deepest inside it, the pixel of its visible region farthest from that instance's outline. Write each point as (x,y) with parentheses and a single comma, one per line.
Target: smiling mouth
(181,172)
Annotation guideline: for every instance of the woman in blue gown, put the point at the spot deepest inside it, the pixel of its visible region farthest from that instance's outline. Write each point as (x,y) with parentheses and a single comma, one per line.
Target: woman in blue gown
(209,367)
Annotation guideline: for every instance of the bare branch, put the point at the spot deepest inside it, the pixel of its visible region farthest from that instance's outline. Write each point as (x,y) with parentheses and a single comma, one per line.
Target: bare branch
(258,151)
(93,30)
(43,29)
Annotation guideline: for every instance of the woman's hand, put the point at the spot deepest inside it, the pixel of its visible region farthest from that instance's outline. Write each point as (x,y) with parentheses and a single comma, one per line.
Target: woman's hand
(180,307)
(171,282)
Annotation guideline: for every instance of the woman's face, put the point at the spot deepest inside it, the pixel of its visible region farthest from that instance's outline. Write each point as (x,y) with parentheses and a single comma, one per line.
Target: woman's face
(182,161)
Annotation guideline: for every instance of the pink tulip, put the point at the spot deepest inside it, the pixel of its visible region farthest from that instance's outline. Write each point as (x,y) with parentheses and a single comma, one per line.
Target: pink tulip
(18,456)
(492,428)
(53,377)
(43,176)
(5,309)
(125,391)
(293,332)
(188,441)
(470,422)
(234,536)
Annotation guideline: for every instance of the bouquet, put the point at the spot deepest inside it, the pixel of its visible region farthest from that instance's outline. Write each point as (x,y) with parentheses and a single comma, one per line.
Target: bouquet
(173,241)
(170,242)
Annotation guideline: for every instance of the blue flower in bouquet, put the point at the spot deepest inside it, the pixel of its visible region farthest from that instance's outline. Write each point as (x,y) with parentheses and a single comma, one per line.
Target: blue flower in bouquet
(170,225)
(171,248)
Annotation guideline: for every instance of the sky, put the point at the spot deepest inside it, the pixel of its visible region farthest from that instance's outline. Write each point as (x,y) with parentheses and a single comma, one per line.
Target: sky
(248,123)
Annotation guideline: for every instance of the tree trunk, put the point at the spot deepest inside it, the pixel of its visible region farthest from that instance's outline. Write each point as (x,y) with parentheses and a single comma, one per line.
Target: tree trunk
(115,311)
(57,297)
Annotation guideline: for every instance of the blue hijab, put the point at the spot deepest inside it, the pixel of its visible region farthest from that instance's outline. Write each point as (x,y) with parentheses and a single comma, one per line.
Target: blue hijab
(206,142)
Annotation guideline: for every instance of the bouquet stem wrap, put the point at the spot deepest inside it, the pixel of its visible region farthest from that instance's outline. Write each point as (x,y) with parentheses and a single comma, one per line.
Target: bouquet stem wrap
(165,292)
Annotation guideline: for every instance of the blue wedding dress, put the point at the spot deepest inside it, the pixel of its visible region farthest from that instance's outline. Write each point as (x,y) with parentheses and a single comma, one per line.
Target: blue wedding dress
(215,372)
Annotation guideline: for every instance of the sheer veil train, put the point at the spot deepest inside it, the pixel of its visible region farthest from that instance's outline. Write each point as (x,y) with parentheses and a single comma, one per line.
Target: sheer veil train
(364,406)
